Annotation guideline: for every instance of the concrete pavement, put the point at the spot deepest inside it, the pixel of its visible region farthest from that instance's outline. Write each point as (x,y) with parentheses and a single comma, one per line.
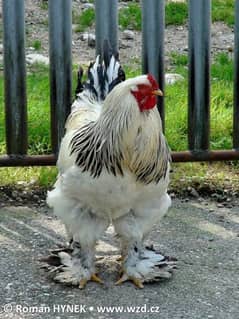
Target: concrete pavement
(202,236)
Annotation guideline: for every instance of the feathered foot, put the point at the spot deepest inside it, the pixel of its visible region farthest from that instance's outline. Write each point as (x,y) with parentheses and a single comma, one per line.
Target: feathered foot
(146,265)
(70,267)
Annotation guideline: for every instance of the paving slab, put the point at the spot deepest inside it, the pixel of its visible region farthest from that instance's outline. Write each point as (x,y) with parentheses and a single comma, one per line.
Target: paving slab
(203,237)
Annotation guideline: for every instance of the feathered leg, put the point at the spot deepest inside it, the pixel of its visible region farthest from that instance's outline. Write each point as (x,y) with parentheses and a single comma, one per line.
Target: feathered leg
(143,264)
(75,265)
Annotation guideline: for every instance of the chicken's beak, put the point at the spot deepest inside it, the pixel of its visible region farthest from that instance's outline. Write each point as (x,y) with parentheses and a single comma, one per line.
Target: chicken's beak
(157,92)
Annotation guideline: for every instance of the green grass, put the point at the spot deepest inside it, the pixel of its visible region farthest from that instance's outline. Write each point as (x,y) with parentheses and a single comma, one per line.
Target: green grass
(178,59)
(36,44)
(35,176)
(223,10)
(38,110)
(83,20)
(179,63)
(38,105)
(44,5)
(222,69)
(176,116)
(221,104)
(221,115)
(130,17)
(176,13)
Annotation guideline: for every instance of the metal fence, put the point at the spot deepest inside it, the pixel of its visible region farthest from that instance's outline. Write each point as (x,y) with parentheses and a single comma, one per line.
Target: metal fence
(60,39)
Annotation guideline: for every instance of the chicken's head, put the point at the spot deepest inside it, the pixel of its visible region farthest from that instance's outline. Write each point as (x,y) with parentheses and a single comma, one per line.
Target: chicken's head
(136,94)
(145,92)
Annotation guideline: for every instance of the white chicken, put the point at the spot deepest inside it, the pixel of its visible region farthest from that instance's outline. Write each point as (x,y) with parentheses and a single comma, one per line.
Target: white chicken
(113,168)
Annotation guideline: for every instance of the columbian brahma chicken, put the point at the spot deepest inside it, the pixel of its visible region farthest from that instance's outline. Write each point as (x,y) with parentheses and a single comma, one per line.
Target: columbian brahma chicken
(113,167)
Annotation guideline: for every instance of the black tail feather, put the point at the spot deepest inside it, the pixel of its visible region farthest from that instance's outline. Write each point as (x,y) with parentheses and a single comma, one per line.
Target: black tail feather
(80,86)
(103,75)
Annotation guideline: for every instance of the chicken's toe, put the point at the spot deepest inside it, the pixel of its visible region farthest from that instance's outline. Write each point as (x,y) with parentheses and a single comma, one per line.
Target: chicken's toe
(70,270)
(137,281)
(146,265)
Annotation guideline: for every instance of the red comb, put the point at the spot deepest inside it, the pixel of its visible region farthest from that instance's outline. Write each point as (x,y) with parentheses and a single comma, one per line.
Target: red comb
(152,81)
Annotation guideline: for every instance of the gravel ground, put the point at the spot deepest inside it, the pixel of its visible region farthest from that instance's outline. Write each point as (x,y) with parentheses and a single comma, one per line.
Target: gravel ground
(203,236)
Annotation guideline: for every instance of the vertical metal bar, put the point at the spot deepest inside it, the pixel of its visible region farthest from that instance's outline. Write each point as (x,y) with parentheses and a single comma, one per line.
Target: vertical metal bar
(199,74)
(236,80)
(153,25)
(106,25)
(15,76)
(60,36)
